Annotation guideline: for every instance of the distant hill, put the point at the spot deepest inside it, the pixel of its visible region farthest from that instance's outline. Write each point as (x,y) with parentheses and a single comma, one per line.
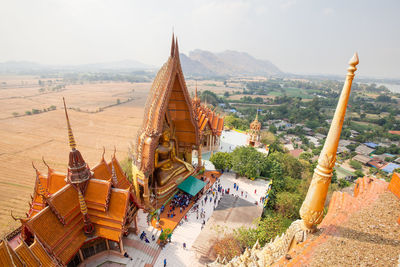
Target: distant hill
(227,63)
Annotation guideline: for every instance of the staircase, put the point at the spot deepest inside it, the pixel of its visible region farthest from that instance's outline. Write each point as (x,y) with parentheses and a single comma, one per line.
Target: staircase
(141,252)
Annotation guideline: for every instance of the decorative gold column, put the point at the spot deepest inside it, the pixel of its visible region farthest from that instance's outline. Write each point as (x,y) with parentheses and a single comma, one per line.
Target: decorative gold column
(146,194)
(312,208)
(199,156)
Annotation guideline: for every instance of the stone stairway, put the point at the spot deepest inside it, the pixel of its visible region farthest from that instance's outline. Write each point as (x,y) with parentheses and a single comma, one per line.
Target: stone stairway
(141,252)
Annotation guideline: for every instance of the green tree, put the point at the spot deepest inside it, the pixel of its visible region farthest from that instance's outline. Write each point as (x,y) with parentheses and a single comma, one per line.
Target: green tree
(355,164)
(218,159)
(266,228)
(247,161)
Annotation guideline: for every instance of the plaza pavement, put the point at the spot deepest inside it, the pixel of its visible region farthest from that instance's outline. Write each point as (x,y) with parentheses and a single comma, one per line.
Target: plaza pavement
(189,231)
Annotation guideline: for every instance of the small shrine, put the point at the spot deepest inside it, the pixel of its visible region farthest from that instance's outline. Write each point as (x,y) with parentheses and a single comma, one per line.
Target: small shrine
(254,134)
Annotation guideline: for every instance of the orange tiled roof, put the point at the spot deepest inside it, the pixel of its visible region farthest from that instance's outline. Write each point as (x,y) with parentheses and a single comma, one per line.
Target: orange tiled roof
(123,182)
(26,255)
(208,117)
(394,132)
(102,171)
(65,203)
(41,253)
(110,224)
(63,240)
(56,181)
(97,194)
(7,255)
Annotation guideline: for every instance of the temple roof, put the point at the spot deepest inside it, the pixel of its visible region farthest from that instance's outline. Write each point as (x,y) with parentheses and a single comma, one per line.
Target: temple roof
(27,255)
(208,117)
(7,255)
(168,101)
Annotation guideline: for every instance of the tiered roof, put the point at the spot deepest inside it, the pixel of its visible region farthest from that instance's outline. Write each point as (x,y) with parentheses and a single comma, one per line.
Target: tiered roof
(207,117)
(65,210)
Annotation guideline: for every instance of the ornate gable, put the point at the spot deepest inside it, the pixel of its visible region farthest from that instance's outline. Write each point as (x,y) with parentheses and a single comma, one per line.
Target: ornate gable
(168,100)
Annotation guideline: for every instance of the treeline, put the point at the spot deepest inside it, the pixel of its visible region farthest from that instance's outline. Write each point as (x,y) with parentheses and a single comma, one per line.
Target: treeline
(139,76)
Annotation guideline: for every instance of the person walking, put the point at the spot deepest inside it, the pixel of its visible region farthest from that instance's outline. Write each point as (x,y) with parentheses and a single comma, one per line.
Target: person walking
(184,245)
(165,262)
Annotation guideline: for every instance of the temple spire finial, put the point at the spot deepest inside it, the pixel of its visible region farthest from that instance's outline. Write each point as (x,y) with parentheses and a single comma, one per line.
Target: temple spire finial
(176,53)
(173,44)
(72,143)
(312,208)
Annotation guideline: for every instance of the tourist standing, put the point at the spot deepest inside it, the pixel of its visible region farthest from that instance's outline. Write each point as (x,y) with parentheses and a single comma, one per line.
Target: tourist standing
(165,262)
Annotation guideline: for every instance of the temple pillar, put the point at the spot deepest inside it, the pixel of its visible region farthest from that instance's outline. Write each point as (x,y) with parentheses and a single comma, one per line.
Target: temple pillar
(199,156)
(135,221)
(121,246)
(146,193)
(81,255)
(312,209)
(107,244)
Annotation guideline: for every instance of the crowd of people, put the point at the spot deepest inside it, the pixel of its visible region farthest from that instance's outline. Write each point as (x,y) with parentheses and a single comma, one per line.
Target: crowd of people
(180,201)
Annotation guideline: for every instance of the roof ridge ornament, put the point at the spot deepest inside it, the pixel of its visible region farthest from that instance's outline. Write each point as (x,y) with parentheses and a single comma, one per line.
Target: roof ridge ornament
(47,165)
(104,152)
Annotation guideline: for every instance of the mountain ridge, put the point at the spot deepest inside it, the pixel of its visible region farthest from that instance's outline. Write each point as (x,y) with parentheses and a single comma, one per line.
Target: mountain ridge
(226,63)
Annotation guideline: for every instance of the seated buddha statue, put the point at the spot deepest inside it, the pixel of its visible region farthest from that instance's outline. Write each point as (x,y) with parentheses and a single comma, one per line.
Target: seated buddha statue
(167,164)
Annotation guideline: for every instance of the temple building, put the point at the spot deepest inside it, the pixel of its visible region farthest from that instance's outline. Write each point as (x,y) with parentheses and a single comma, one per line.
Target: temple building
(210,126)
(72,216)
(254,134)
(162,157)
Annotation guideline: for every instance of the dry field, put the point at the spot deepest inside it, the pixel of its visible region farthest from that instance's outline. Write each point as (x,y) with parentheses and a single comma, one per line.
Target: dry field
(28,138)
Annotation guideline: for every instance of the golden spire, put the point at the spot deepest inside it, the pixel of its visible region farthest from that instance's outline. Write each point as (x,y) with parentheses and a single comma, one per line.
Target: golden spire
(173,45)
(312,209)
(72,143)
(82,203)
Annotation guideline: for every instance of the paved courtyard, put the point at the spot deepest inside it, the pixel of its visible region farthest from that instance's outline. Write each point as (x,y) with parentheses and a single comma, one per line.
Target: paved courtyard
(230,213)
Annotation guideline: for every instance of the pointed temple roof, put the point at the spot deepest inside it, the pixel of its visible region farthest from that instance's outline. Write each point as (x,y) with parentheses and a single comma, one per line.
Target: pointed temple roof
(78,171)
(105,204)
(169,101)
(60,211)
(255,125)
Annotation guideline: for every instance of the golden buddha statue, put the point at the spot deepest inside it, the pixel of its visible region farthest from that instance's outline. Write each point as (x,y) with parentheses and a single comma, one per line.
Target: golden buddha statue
(167,164)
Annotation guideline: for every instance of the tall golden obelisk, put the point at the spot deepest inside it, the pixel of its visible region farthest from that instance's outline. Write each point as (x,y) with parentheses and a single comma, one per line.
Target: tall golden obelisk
(312,208)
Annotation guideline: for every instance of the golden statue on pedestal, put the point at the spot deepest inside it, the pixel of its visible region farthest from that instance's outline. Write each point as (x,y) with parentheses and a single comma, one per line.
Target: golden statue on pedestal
(167,164)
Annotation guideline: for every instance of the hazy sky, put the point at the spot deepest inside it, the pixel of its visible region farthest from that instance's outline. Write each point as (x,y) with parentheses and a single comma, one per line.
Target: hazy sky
(299,36)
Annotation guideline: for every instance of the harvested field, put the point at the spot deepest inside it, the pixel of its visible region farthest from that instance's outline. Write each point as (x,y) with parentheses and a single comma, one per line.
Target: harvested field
(27,138)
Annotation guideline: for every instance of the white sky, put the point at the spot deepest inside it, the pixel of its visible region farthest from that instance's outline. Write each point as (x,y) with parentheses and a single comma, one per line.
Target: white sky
(299,36)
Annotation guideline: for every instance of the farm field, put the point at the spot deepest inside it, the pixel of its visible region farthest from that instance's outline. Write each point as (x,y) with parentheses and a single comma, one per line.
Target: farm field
(25,139)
